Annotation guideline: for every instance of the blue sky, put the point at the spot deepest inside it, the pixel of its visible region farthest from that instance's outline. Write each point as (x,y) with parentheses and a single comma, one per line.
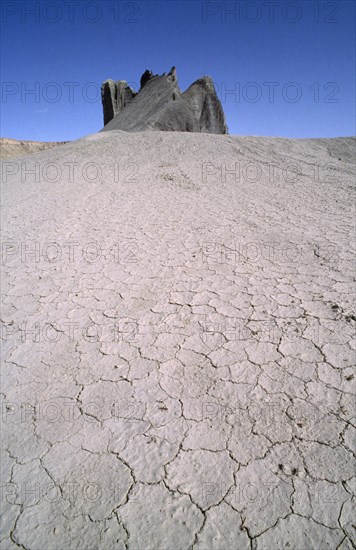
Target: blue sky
(280,68)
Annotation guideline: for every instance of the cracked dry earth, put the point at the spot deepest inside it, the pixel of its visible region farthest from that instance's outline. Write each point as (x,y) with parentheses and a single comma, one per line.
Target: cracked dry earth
(178,344)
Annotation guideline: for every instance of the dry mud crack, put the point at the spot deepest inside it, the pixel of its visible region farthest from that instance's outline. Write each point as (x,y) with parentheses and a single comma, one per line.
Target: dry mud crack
(178,344)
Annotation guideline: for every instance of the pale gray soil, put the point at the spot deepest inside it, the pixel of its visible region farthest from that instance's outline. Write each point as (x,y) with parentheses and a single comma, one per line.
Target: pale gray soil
(178,344)
(14,148)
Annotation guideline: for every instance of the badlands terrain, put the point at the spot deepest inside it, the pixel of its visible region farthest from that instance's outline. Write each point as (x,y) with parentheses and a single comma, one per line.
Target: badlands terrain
(178,344)
(13,148)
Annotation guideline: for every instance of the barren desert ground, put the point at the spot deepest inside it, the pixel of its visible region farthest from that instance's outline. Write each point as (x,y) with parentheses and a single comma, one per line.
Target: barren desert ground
(178,344)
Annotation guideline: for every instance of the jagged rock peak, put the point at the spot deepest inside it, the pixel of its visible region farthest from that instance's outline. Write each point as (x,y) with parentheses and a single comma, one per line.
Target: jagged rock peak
(160,105)
(173,72)
(147,75)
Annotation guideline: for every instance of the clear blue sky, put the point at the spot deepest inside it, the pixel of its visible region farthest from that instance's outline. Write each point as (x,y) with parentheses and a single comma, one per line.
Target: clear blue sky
(63,50)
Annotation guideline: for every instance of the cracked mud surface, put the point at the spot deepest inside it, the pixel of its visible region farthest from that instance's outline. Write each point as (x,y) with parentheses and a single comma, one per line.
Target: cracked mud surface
(178,344)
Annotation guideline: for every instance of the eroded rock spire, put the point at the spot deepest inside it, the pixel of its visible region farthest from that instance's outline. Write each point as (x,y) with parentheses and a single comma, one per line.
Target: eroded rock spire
(161,105)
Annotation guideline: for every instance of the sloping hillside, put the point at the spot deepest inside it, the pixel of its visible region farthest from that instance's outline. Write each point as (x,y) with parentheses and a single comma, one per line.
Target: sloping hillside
(13,148)
(178,323)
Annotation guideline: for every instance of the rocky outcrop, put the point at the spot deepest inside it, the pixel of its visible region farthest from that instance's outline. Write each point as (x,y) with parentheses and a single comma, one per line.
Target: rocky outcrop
(147,75)
(115,96)
(207,110)
(160,105)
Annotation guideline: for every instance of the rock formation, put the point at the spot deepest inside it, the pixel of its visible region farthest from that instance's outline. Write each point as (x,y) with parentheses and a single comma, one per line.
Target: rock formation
(160,105)
(115,96)
(147,75)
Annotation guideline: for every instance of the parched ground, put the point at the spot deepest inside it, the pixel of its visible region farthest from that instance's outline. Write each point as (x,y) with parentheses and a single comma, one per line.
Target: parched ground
(178,344)
(10,148)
